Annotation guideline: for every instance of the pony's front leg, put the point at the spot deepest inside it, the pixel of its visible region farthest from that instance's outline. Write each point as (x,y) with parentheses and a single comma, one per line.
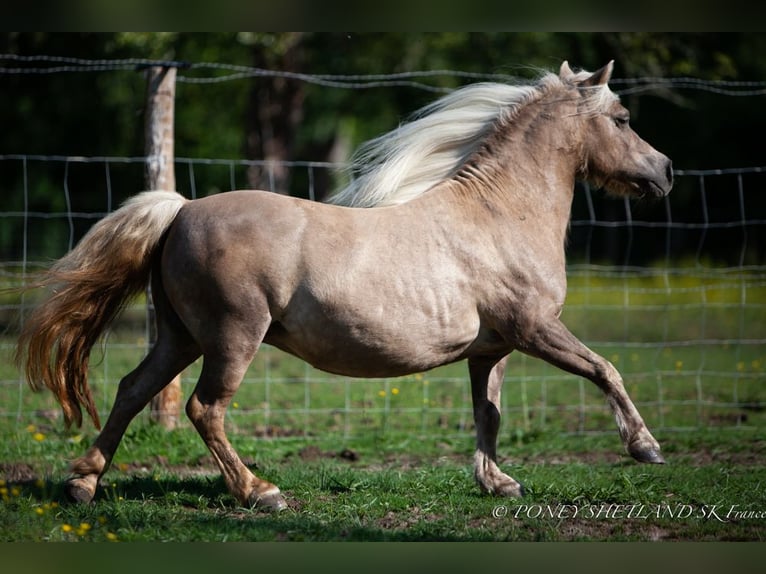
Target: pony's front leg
(554,343)
(486,382)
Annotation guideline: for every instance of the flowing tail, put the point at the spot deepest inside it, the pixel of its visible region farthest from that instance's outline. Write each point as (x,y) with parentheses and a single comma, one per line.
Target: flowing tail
(89,287)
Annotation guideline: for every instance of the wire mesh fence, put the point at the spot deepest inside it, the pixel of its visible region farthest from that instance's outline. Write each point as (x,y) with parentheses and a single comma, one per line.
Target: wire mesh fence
(673,293)
(687,332)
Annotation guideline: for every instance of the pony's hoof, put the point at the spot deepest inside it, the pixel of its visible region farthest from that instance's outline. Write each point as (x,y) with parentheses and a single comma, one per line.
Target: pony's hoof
(510,489)
(78,490)
(649,455)
(507,488)
(269,502)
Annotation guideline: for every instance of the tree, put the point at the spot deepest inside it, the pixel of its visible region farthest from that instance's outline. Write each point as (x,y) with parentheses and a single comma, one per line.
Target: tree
(280,118)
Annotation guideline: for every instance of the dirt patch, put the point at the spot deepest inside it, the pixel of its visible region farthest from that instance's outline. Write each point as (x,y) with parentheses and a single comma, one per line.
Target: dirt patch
(313,453)
(754,454)
(406,520)
(271,431)
(750,453)
(606,530)
(17,473)
(204,466)
(589,457)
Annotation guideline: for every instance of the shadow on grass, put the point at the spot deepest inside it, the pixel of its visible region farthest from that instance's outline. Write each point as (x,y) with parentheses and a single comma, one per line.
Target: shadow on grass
(214,514)
(200,509)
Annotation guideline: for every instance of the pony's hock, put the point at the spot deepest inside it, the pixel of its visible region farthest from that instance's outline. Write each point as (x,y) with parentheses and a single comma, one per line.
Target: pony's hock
(461,257)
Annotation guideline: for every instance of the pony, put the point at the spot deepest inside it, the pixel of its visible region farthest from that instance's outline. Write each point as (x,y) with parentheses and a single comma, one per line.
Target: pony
(447,245)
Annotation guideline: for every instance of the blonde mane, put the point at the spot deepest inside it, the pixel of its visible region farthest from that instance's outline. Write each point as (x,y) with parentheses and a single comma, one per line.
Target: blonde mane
(404,163)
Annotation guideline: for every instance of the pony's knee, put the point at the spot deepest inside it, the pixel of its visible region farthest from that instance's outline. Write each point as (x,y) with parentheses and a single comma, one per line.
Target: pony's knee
(608,373)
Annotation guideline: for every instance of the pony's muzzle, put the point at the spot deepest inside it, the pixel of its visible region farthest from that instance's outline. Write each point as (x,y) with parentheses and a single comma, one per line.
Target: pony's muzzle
(668,174)
(660,179)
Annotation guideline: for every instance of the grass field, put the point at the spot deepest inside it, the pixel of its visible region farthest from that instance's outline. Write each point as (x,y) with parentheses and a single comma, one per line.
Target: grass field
(391,459)
(164,487)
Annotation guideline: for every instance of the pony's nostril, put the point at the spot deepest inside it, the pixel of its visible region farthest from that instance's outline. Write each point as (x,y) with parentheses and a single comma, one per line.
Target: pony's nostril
(669,172)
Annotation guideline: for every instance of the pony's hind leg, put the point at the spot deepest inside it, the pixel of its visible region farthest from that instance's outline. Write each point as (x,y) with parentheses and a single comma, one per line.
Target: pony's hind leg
(221,375)
(167,358)
(486,382)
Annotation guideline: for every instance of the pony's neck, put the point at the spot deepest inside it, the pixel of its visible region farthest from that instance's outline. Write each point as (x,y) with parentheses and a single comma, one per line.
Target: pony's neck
(526,167)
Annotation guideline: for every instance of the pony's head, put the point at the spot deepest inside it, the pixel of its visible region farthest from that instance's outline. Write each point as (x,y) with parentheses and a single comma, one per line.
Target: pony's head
(442,138)
(613,155)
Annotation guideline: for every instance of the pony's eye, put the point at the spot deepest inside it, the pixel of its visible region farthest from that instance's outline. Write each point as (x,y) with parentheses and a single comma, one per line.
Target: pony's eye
(621,121)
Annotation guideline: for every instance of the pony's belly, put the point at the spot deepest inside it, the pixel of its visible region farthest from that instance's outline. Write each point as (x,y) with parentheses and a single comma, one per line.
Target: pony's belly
(344,351)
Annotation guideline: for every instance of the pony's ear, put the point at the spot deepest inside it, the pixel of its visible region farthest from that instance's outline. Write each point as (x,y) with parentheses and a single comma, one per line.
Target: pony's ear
(599,77)
(565,73)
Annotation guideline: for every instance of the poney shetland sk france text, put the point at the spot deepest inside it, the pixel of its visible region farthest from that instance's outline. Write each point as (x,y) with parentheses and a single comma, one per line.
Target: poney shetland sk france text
(718,512)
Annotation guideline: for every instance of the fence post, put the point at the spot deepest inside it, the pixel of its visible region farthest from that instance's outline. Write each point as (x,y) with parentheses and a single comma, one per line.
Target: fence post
(160,174)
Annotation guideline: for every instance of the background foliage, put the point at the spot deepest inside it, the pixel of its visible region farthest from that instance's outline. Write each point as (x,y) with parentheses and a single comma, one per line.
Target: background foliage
(277,118)
(35,105)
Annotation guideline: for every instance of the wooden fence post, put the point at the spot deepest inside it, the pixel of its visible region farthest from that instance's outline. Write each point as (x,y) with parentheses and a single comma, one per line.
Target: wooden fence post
(160,174)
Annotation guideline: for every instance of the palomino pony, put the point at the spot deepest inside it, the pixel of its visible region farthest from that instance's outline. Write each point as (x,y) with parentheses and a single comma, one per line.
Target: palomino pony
(462,257)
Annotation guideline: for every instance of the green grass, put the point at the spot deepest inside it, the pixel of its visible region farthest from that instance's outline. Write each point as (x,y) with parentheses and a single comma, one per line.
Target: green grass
(688,345)
(163,487)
